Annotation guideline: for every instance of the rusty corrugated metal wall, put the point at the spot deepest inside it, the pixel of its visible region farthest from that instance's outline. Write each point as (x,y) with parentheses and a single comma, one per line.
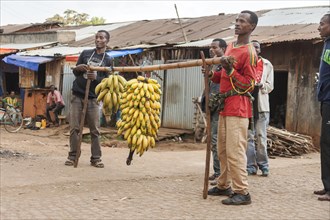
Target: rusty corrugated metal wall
(181,85)
(68,79)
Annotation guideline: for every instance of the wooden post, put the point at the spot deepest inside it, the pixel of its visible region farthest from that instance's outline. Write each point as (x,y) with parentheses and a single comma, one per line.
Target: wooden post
(167,66)
(82,122)
(208,127)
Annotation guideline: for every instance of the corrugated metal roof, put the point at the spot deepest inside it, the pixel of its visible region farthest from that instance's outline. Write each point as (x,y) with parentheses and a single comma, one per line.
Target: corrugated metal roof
(27,45)
(278,25)
(292,16)
(55,51)
(91,30)
(14,27)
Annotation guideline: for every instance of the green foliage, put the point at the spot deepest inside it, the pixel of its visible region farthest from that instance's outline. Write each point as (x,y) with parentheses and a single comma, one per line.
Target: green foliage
(71,17)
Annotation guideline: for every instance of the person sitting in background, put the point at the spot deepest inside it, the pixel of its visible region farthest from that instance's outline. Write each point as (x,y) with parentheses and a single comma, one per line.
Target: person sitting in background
(55,103)
(11,100)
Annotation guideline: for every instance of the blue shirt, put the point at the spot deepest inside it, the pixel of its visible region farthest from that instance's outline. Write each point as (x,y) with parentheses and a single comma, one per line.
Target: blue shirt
(323,87)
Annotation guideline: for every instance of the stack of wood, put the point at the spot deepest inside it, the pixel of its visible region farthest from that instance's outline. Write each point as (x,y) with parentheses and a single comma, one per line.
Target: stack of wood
(283,143)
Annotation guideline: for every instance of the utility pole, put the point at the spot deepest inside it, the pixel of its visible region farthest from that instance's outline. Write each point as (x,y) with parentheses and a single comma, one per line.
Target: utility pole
(184,34)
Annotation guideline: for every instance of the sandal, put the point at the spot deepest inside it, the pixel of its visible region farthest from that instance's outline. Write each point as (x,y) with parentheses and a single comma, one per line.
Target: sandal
(97,164)
(69,163)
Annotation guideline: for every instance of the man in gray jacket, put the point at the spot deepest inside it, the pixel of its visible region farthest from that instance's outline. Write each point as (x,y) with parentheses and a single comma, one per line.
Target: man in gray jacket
(257,142)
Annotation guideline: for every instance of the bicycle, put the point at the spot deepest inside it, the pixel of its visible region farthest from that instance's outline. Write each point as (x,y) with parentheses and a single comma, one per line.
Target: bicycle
(11,118)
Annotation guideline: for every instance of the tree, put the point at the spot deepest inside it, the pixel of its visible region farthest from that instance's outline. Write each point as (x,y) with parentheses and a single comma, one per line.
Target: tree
(71,17)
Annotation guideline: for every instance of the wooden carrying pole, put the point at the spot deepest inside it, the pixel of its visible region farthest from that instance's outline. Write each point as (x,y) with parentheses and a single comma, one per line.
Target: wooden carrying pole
(208,127)
(82,122)
(186,64)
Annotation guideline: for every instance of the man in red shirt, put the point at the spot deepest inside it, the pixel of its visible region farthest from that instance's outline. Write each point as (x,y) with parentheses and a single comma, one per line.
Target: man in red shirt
(55,103)
(236,81)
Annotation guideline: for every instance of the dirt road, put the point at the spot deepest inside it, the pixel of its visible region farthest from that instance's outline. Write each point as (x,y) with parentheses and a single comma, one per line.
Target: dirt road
(165,183)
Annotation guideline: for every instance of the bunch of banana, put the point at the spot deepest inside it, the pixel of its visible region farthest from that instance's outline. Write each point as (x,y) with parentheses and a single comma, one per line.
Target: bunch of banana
(140,113)
(109,91)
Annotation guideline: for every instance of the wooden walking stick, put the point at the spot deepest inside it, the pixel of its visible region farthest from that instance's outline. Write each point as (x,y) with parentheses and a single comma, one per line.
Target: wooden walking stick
(82,122)
(208,128)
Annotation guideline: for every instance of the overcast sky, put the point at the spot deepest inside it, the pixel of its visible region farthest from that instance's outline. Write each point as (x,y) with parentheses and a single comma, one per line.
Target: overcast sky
(29,11)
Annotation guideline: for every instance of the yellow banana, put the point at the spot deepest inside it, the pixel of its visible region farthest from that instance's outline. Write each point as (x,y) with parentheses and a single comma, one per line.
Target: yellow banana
(138,142)
(129,97)
(134,139)
(110,84)
(138,123)
(118,123)
(116,84)
(98,88)
(147,104)
(122,80)
(136,91)
(142,93)
(144,142)
(102,94)
(135,85)
(121,88)
(151,88)
(145,87)
(136,113)
(131,111)
(129,139)
(152,142)
(133,130)
(152,81)
(127,133)
(125,111)
(114,99)
(141,78)
(130,82)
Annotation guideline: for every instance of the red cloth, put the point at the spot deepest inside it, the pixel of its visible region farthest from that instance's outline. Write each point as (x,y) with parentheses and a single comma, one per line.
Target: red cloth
(260,68)
(243,75)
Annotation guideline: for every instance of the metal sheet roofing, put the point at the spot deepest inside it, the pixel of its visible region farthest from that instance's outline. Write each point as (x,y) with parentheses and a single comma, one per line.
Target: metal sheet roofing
(55,51)
(27,45)
(310,15)
(278,25)
(91,30)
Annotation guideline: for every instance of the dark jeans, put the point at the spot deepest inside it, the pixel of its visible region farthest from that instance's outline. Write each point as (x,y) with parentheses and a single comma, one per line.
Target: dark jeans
(325,146)
(214,141)
(56,108)
(93,120)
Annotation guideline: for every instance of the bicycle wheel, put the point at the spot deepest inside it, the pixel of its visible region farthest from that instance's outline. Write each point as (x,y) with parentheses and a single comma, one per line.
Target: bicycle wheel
(13,122)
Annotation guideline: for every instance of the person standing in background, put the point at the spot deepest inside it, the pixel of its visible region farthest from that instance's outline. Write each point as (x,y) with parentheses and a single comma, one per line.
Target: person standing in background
(218,48)
(323,94)
(257,156)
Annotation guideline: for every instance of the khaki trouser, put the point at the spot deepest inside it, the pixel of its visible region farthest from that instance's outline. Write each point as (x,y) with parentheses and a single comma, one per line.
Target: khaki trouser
(232,145)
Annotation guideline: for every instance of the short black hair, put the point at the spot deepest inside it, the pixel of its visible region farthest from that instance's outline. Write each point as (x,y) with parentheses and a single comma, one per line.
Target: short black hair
(255,41)
(327,15)
(106,33)
(222,43)
(253,16)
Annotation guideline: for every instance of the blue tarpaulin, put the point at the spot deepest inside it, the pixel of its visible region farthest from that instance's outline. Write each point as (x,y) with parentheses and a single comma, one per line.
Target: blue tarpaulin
(28,62)
(32,62)
(120,53)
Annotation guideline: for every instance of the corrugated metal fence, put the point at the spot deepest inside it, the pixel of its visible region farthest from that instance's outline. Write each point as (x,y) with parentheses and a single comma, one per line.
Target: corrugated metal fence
(180,87)
(68,79)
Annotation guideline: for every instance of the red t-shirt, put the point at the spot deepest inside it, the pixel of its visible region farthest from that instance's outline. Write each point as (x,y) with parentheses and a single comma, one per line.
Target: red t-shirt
(260,68)
(243,76)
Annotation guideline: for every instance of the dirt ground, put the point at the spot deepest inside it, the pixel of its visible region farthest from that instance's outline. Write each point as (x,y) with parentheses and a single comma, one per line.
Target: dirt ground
(165,183)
